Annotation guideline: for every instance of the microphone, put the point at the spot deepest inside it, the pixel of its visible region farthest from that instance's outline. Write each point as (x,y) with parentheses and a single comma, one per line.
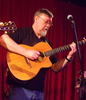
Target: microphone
(70,18)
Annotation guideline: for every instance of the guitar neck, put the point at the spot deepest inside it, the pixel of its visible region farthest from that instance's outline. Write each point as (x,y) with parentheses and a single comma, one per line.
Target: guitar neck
(60,49)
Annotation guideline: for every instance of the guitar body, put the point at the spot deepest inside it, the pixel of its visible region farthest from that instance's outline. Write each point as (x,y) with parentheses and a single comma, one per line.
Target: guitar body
(25,69)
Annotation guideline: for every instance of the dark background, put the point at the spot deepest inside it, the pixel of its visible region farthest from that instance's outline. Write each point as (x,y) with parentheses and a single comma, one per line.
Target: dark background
(81,3)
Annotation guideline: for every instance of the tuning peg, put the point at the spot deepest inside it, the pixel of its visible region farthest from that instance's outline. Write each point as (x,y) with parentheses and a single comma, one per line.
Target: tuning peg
(1,24)
(10,22)
(5,32)
(5,24)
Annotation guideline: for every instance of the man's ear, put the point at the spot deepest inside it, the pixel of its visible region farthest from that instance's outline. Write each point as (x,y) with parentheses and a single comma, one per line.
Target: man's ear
(36,17)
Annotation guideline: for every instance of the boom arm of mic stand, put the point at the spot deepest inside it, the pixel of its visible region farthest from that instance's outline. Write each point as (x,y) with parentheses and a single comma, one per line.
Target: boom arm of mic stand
(80,61)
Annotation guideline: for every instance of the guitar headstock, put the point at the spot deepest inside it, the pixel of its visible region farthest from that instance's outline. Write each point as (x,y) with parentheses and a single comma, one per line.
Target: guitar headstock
(8,26)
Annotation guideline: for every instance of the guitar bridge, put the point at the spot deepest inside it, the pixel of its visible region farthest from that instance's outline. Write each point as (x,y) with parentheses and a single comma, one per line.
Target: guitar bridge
(27,61)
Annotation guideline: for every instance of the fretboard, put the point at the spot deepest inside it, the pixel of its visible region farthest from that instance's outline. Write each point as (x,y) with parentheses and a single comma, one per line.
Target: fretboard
(60,49)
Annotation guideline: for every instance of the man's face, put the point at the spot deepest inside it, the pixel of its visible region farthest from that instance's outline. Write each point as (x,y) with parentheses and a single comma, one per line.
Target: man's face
(43,23)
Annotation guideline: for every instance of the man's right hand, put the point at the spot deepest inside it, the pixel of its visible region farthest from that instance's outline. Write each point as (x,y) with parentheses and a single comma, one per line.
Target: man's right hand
(32,54)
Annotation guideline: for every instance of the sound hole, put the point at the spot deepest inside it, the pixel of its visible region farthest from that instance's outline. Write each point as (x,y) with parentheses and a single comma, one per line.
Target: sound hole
(40,58)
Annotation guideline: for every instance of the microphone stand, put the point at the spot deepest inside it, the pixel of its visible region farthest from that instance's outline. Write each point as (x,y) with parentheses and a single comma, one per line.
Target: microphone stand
(82,80)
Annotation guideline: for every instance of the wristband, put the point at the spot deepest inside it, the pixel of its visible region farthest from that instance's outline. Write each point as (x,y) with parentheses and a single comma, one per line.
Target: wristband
(67,59)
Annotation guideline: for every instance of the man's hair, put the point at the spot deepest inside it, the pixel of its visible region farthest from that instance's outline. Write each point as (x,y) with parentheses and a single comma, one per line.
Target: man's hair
(43,11)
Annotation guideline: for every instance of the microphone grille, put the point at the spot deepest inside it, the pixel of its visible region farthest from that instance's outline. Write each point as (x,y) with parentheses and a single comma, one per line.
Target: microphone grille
(69,17)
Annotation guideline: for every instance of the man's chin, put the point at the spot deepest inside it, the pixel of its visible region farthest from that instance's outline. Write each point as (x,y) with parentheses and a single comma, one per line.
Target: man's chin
(43,34)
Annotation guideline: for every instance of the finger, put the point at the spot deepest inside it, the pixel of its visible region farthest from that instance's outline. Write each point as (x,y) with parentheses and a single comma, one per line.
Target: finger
(36,56)
(38,53)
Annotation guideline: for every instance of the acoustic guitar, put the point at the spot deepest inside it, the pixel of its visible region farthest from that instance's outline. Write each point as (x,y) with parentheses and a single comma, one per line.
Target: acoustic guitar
(25,69)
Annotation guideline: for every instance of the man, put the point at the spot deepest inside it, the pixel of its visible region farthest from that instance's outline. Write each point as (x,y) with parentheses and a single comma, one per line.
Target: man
(32,89)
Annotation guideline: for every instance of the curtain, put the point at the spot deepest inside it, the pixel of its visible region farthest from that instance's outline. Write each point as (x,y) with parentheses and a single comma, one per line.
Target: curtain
(58,86)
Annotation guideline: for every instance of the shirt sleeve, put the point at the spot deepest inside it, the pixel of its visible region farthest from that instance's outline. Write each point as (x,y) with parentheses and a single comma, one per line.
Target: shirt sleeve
(18,35)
